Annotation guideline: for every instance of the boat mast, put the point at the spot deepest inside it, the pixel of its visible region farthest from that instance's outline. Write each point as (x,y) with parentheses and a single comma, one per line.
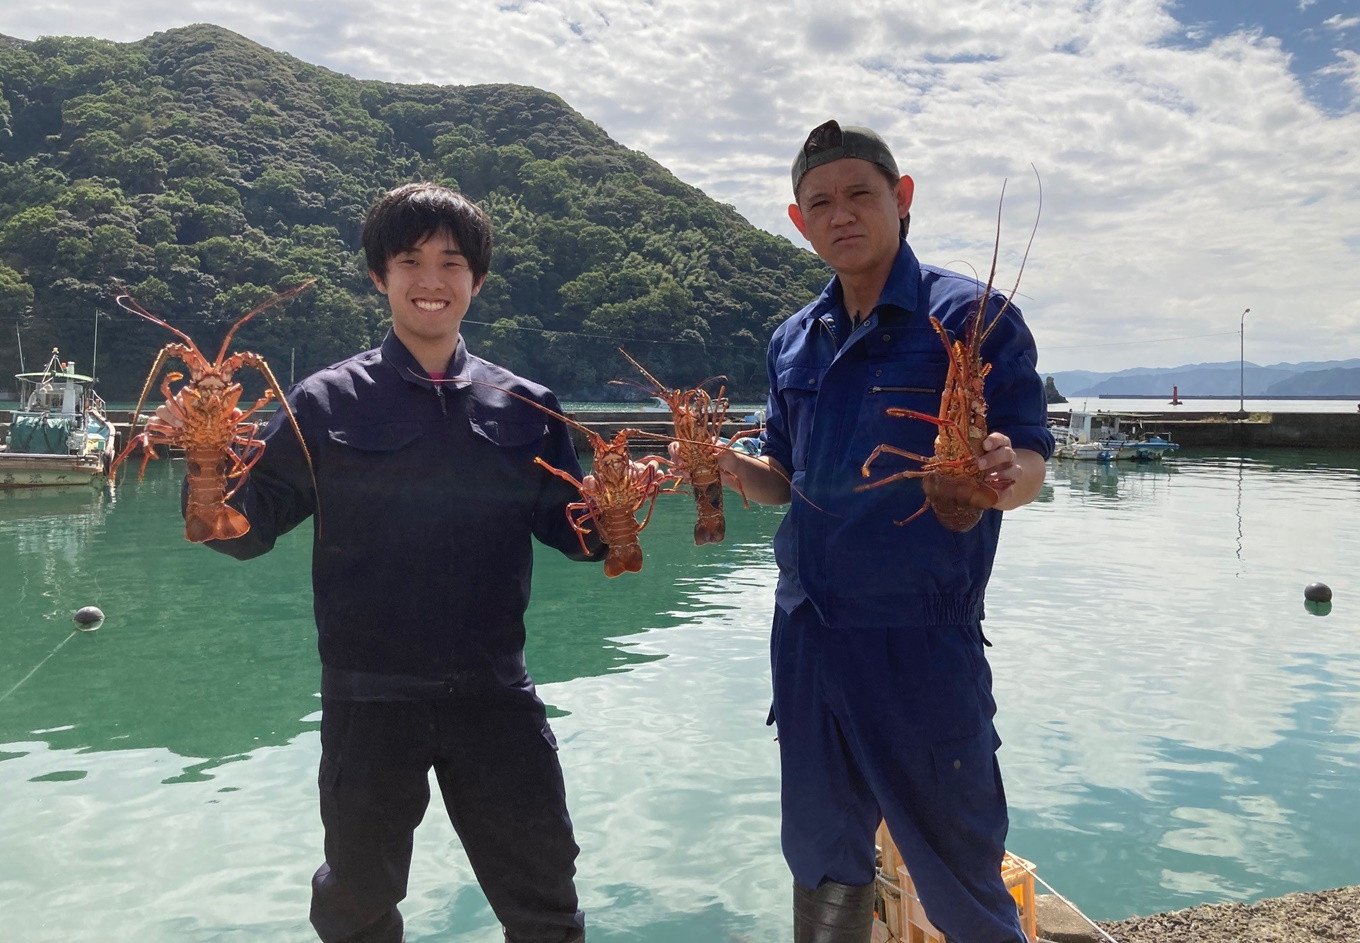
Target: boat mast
(94,357)
(21,348)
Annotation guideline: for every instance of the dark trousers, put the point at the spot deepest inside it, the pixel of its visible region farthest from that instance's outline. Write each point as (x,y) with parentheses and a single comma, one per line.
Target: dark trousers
(496,763)
(894,722)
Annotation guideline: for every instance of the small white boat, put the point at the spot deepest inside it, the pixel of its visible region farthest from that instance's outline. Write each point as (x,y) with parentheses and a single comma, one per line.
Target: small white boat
(1106,437)
(1147,448)
(1085,452)
(59,434)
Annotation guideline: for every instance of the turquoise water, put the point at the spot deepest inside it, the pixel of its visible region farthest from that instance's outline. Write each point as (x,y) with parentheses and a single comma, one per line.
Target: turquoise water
(1178,728)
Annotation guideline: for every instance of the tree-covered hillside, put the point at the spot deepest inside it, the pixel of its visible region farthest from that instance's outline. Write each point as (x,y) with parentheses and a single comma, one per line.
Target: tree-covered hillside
(202,172)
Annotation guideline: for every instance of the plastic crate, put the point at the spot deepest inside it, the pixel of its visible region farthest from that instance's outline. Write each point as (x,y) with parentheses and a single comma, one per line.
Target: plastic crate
(901,915)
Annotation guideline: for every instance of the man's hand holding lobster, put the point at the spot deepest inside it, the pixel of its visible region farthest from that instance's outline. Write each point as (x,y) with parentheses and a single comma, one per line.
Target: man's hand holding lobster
(1010,477)
(999,472)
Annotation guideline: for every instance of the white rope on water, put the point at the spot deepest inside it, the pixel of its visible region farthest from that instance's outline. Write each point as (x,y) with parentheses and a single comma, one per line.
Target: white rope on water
(1073,907)
(68,638)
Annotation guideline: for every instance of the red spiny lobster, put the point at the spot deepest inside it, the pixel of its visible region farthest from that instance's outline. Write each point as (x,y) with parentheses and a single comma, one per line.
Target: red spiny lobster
(203,419)
(962,422)
(611,495)
(698,419)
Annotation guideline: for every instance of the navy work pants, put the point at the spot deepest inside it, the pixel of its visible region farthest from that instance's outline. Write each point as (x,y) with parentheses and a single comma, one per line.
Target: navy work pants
(496,763)
(894,723)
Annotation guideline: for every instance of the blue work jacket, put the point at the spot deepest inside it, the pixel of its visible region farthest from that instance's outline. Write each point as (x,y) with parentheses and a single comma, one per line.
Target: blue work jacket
(428,496)
(840,548)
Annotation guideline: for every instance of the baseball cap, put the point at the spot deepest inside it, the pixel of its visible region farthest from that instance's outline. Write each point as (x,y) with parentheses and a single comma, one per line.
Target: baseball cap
(830,141)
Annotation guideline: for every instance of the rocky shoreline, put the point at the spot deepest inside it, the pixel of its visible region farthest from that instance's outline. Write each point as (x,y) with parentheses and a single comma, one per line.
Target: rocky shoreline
(1331,916)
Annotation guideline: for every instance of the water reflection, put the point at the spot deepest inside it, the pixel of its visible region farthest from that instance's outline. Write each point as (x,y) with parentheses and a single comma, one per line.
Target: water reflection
(1184,730)
(1176,727)
(1112,481)
(211,658)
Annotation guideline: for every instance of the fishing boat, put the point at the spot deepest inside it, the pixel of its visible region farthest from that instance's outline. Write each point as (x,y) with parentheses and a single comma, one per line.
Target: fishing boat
(1107,437)
(1146,448)
(58,434)
(1075,441)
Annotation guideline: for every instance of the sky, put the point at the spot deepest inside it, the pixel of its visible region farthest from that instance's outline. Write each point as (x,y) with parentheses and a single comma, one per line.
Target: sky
(1196,158)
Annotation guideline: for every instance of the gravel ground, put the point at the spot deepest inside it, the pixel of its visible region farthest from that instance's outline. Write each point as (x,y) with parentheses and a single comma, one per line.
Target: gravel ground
(1313,917)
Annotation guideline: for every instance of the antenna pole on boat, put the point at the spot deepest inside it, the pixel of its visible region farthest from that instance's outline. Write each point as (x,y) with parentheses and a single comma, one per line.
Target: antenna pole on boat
(21,348)
(292,361)
(94,357)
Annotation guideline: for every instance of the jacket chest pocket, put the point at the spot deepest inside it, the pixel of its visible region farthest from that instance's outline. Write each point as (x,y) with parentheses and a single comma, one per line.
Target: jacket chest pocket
(365,460)
(375,441)
(915,386)
(797,389)
(510,433)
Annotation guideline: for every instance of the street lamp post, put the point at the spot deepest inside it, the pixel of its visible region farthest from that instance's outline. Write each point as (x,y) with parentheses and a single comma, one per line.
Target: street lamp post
(1242,365)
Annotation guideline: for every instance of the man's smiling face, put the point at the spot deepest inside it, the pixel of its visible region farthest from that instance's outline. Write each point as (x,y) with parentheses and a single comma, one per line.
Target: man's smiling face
(428,287)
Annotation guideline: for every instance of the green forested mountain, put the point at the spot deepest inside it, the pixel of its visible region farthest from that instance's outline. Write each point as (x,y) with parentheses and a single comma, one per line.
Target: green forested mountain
(202,171)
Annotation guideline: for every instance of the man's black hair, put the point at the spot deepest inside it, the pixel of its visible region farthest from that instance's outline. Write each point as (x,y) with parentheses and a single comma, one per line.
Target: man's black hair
(408,215)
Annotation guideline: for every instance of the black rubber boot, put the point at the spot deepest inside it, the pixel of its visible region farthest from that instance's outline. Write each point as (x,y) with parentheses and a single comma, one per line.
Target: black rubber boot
(833,913)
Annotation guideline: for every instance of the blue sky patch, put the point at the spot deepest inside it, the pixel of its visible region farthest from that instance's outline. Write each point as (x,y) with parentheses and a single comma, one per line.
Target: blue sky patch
(1310,31)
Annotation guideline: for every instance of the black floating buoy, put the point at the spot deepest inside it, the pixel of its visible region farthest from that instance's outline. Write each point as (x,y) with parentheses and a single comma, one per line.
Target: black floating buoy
(1317,592)
(1317,608)
(88,618)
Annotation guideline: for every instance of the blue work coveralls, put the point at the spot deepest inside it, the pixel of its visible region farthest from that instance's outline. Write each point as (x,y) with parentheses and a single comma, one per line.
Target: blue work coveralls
(882,692)
(426,498)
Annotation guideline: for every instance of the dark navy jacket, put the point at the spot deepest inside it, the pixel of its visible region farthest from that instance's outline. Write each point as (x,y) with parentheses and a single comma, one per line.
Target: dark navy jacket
(826,413)
(421,554)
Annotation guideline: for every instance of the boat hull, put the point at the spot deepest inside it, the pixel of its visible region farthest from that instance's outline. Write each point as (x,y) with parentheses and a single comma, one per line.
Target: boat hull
(1085,452)
(45,471)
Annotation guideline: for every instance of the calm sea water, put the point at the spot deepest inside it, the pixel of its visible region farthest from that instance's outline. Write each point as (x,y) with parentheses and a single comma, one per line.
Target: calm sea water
(1178,728)
(1192,406)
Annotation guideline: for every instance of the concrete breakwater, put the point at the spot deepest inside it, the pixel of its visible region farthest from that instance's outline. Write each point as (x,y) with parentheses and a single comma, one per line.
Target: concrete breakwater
(1258,431)
(1202,430)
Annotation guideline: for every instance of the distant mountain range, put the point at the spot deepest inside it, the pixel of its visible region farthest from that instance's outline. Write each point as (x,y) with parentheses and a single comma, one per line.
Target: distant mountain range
(1318,378)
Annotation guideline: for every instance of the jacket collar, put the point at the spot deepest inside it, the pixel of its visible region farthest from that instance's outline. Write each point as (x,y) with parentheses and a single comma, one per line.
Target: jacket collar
(395,353)
(902,289)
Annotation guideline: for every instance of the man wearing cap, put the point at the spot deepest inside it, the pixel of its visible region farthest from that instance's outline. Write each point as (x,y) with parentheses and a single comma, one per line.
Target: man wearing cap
(882,692)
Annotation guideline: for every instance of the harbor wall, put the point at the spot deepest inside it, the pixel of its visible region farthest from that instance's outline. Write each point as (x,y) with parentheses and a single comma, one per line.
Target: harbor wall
(1203,430)
(1260,431)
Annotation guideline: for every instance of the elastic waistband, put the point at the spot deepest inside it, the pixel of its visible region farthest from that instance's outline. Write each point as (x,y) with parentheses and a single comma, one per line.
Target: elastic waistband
(921,609)
(496,674)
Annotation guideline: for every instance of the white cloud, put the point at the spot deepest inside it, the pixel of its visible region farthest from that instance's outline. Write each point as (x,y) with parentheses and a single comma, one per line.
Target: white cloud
(1340,24)
(1181,184)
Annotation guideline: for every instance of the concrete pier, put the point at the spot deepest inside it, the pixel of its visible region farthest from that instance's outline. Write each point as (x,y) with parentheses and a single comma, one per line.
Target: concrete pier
(1259,431)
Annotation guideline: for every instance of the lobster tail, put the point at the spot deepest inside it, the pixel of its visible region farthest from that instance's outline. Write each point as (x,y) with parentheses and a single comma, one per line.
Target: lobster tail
(958,519)
(623,558)
(711,527)
(214,523)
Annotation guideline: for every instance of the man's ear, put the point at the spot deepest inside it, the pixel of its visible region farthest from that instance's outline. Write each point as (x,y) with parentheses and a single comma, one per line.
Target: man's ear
(477,285)
(377,282)
(906,189)
(796,215)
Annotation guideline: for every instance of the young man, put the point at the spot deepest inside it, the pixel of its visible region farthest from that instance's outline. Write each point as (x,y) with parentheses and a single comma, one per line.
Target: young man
(426,498)
(882,692)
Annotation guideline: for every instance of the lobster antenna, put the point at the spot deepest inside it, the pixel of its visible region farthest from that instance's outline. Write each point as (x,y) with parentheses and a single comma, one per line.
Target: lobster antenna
(641,369)
(655,382)
(1038,212)
(262,306)
(127,303)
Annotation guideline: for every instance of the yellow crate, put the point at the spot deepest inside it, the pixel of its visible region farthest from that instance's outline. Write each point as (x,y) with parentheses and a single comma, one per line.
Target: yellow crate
(902,915)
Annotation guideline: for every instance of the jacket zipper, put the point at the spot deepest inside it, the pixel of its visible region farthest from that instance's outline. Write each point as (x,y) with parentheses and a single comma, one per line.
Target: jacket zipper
(901,389)
(439,391)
